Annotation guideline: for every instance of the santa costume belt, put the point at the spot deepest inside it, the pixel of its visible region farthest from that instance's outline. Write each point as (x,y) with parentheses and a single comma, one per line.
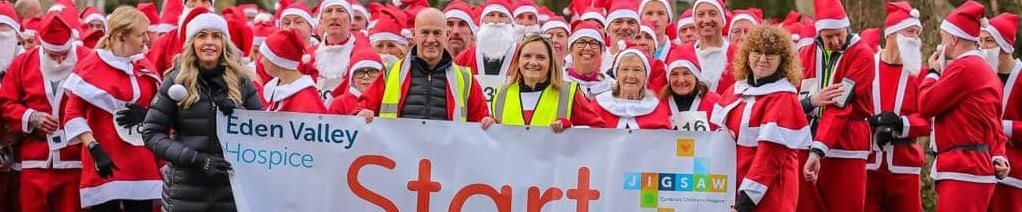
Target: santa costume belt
(903,142)
(966,148)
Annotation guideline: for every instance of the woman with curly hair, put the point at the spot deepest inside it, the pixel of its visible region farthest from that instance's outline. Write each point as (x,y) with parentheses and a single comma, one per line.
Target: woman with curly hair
(763,113)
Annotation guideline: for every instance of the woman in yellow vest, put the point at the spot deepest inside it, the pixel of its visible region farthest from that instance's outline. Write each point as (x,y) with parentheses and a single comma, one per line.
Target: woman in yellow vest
(536,95)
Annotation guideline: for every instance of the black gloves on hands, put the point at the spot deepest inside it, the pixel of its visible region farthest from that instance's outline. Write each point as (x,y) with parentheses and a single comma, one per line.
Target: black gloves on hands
(225,105)
(132,116)
(744,203)
(211,165)
(104,165)
(885,125)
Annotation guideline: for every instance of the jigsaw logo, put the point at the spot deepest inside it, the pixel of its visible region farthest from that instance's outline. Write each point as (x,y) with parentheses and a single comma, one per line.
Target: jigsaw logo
(699,180)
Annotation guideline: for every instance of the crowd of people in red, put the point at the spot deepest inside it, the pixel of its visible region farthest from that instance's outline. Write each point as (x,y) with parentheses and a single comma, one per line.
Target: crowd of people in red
(116,112)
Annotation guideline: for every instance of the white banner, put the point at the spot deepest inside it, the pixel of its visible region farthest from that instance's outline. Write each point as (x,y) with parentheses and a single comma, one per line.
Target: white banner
(306,162)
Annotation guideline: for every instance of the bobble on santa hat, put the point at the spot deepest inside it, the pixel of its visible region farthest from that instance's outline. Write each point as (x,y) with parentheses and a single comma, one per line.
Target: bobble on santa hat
(177,92)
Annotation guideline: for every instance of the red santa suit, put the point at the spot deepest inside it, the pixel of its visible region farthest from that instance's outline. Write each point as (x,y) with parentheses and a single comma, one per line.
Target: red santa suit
(702,104)
(964,102)
(299,96)
(1008,194)
(330,63)
(102,85)
(50,171)
(647,113)
(363,57)
(770,129)
(893,169)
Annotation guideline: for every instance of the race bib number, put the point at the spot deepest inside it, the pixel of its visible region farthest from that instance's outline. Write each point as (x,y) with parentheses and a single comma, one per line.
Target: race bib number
(56,140)
(326,87)
(132,135)
(490,84)
(691,121)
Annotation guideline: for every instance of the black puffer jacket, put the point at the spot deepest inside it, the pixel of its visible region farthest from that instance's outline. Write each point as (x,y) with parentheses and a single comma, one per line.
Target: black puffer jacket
(186,187)
(427,94)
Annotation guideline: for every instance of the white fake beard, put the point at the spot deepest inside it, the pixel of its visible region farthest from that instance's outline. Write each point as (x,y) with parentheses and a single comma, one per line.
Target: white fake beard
(521,31)
(941,57)
(992,56)
(332,62)
(57,72)
(498,40)
(911,53)
(9,45)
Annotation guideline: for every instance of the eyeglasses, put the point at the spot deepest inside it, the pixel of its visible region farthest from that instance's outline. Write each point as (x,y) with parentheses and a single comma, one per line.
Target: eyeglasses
(365,73)
(756,55)
(584,44)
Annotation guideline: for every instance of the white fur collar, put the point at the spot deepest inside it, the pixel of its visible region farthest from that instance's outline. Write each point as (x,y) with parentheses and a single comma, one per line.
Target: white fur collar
(120,63)
(742,87)
(353,91)
(273,92)
(626,108)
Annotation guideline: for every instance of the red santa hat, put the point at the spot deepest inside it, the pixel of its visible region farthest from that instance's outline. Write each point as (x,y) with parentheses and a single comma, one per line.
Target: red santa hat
(30,27)
(965,22)
(577,7)
(794,29)
(595,14)
(684,58)
(55,34)
(623,9)
(357,7)
(630,48)
(754,15)
(830,14)
(585,29)
(717,4)
(871,37)
(408,4)
(329,3)
(206,21)
(545,14)
(500,6)
(387,31)
(807,35)
(149,9)
(171,12)
(260,31)
(285,49)
(900,15)
(92,37)
(648,28)
(183,31)
(8,16)
(299,9)
(525,6)
(686,19)
(667,5)
(1003,28)
(461,10)
(241,33)
(90,14)
(249,9)
(555,22)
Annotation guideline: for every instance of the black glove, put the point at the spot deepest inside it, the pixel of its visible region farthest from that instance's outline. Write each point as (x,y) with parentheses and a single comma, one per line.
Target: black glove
(744,203)
(889,119)
(211,165)
(104,165)
(225,105)
(132,116)
(883,135)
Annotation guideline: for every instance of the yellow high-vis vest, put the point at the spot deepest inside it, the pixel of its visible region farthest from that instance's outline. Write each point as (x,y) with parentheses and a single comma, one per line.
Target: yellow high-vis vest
(458,76)
(552,105)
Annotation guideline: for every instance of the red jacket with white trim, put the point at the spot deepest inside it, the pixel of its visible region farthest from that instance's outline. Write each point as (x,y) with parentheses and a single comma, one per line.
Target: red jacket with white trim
(892,83)
(964,102)
(1012,121)
(843,131)
(25,90)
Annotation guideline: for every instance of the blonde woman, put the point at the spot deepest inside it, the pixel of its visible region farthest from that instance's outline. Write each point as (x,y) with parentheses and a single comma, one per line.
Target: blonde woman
(208,79)
(537,94)
(109,92)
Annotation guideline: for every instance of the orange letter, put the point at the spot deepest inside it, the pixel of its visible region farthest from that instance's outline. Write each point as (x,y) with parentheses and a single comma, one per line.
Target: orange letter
(424,185)
(502,199)
(536,202)
(360,190)
(581,193)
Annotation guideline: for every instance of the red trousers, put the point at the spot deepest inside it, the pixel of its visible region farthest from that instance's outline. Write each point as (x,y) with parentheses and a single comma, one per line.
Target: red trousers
(808,196)
(9,191)
(842,184)
(50,190)
(961,196)
(886,191)
(1006,199)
